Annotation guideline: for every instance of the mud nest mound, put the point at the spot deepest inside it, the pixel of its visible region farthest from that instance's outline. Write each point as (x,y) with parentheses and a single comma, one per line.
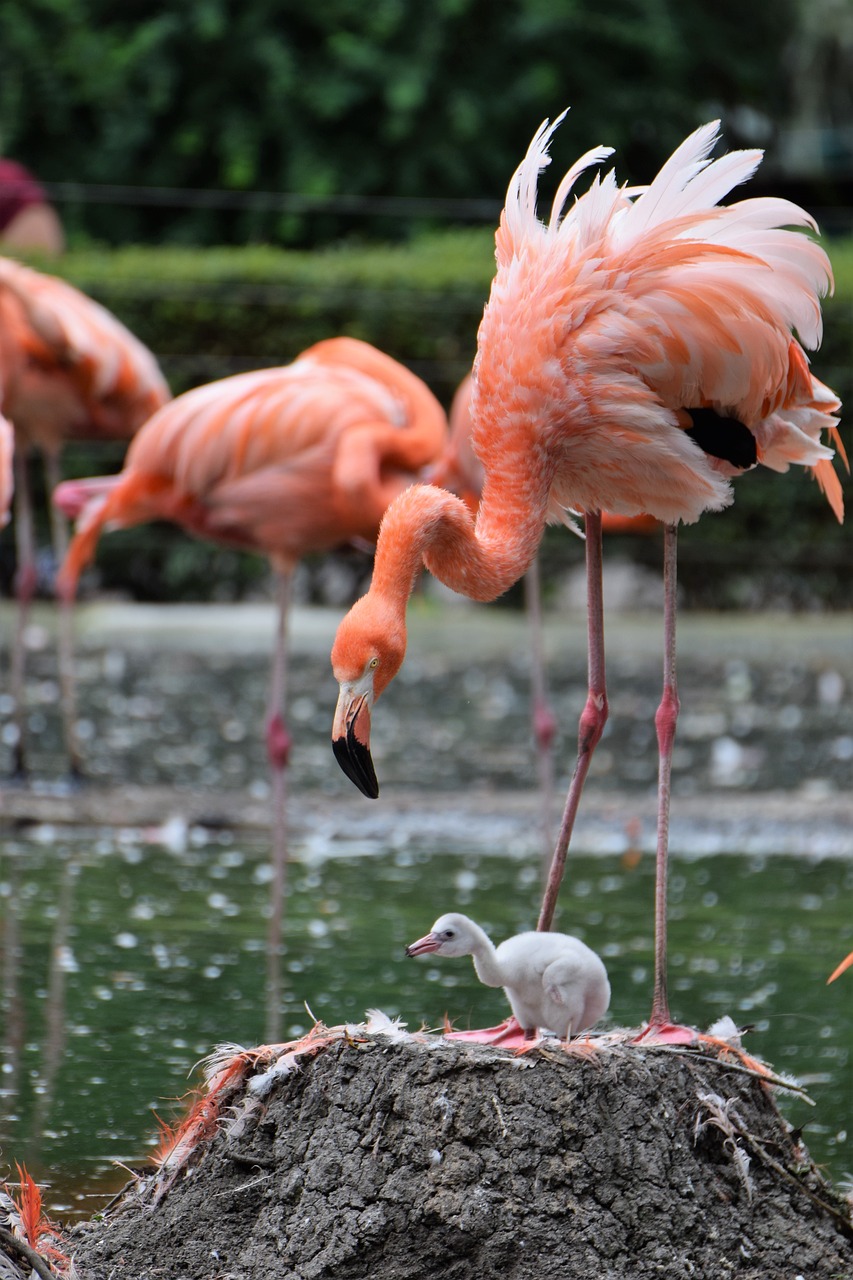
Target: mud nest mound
(393,1157)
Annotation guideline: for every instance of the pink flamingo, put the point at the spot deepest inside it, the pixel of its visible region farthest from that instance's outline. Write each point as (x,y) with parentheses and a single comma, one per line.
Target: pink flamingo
(286,462)
(69,370)
(636,352)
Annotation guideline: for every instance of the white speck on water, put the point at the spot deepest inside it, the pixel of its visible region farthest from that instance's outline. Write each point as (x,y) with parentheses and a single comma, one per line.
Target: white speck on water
(465,881)
(738,681)
(142,910)
(726,762)
(127,941)
(220,902)
(66,960)
(114,664)
(830,688)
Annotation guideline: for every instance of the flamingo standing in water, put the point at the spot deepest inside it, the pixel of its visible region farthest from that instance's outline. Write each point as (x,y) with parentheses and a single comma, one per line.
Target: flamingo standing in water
(69,370)
(636,352)
(285,461)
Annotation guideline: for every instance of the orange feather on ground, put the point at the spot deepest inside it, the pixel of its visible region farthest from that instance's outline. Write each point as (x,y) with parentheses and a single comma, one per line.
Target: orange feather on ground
(636,352)
(69,370)
(842,968)
(287,462)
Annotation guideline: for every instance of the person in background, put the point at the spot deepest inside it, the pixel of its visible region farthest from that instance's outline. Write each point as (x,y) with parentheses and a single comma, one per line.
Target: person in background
(28,223)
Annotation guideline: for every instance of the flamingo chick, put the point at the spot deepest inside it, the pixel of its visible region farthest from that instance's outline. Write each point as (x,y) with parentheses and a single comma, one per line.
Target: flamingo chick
(551,980)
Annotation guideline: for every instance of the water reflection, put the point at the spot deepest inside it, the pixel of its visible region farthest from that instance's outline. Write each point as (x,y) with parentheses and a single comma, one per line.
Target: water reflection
(125,961)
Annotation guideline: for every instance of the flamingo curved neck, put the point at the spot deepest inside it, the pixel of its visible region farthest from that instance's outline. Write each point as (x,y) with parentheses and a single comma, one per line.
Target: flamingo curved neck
(484,955)
(429,526)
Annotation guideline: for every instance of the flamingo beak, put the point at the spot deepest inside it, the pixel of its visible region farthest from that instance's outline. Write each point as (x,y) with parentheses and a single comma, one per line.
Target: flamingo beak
(429,942)
(351,736)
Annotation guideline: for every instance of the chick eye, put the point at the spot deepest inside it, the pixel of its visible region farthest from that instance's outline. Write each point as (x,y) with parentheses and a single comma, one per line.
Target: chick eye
(448,933)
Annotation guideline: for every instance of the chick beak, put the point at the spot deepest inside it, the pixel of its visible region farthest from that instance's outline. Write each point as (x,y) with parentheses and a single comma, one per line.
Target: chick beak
(429,942)
(351,736)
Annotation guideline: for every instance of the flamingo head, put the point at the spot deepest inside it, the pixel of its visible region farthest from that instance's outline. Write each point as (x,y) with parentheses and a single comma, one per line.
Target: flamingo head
(368,652)
(449,936)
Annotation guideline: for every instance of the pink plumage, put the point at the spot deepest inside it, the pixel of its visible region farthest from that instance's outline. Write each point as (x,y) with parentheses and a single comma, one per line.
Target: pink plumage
(607,323)
(637,350)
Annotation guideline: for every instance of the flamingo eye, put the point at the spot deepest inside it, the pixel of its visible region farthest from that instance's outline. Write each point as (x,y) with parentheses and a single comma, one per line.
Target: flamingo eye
(374,662)
(448,933)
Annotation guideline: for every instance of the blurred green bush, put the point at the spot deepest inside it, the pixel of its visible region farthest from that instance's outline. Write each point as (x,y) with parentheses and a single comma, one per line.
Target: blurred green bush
(211,313)
(151,119)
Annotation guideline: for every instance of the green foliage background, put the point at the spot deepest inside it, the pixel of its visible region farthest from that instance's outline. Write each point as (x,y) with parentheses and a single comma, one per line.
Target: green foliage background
(379,99)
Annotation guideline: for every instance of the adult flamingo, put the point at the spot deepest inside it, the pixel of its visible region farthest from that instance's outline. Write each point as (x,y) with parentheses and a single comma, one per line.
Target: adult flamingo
(285,461)
(69,370)
(637,351)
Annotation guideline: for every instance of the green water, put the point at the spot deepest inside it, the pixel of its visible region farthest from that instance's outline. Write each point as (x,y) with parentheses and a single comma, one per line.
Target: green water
(158,956)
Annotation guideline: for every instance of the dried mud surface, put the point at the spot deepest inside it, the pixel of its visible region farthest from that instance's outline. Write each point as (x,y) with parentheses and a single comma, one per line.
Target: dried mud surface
(405,1160)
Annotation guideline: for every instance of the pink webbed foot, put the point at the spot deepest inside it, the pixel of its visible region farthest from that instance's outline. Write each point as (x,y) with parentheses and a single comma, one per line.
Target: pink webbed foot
(666,1033)
(509,1034)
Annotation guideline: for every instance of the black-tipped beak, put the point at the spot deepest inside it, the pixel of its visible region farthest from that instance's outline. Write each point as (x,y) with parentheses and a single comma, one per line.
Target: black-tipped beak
(357,763)
(351,740)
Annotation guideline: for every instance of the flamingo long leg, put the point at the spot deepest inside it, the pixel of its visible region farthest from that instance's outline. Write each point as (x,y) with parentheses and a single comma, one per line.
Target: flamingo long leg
(278,753)
(543,721)
(25,585)
(593,717)
(665,722)
(65,629)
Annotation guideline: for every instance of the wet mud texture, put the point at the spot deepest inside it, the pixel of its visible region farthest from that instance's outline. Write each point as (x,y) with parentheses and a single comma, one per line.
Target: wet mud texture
(394,1161)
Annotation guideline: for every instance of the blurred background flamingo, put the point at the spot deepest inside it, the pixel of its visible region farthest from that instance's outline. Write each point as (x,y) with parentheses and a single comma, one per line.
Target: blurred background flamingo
(635,354)
(69,370)
(7,462)
(285,461)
